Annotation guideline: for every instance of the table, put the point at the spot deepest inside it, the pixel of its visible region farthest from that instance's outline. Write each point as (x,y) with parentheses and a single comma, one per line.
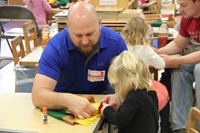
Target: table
(172,31)
(32,58)
(54,11)
(18,113)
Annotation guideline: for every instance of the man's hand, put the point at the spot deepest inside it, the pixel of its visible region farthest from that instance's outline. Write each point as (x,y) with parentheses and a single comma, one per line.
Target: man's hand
(155,49)
(81,107)
(112,101)
(169,60)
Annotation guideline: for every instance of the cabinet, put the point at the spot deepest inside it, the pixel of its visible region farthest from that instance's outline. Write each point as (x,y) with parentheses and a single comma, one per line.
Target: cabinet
(116,20)
(115,3)
(15,2)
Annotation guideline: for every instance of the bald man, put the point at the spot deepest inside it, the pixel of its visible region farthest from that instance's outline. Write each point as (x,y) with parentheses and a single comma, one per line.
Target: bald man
(76,61)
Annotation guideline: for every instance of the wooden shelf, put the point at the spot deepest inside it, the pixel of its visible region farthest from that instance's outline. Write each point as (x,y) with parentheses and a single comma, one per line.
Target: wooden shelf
(15,2)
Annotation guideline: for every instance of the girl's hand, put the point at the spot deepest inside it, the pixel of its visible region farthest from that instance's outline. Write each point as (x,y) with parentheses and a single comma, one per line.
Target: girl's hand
(104,106)
(111,100)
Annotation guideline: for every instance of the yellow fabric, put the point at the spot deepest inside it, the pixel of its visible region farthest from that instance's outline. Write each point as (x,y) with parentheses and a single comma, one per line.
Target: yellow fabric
(88,121)
(52,1)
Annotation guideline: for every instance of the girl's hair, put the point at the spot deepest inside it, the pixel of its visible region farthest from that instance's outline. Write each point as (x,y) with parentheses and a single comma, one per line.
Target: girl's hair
(135,31)
(127,72)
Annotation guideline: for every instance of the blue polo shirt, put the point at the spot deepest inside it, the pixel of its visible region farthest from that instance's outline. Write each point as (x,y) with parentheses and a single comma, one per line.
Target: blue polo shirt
(75,73)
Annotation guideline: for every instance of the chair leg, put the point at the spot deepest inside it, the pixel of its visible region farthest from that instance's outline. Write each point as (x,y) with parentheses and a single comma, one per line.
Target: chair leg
(9,45)
(16,88)
(0,47)
(0,37)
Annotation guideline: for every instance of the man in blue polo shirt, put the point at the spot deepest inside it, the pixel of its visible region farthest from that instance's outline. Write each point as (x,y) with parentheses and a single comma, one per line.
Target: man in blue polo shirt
(76,61)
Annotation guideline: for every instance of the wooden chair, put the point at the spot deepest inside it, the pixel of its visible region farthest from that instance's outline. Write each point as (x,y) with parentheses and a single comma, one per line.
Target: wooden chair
(30,34)
(17,14)
(154,71)
(151,6)
(21,72)
(193,119)
(17,53)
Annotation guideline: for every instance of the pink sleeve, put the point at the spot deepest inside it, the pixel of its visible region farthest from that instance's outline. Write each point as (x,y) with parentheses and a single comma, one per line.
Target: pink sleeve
(47,6)
(162,94)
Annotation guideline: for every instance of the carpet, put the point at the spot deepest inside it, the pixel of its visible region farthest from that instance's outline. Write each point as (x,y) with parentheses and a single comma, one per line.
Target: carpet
(5,61)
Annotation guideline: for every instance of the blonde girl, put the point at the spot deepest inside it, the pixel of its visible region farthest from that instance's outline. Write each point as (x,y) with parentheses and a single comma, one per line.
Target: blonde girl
(138,110)
(135,34)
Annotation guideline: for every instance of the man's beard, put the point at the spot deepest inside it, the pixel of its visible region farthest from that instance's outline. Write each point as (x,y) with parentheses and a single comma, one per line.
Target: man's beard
(89,51)
(186,15)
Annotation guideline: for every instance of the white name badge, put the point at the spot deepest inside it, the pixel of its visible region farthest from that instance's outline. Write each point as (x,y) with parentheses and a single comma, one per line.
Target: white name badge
(95,76)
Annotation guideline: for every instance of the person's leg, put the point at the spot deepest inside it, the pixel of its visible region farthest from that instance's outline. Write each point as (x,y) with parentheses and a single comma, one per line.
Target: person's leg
(164,116)
(197,88)
(197,83)
(164,113)
(182,96)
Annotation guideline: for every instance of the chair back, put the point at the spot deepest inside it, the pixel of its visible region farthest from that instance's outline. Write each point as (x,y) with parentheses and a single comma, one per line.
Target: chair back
(17,13)
(151,7)
(18,49)
(30,34)
(154,71)
(193,119)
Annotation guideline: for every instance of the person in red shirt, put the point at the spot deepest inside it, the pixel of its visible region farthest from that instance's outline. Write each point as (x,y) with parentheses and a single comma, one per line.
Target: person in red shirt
(189,70)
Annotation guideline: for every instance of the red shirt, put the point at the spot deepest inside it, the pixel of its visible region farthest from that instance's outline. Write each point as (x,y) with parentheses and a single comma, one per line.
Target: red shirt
(190,28)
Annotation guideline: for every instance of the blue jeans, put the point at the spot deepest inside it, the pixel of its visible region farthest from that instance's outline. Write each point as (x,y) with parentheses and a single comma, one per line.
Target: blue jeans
(182,93)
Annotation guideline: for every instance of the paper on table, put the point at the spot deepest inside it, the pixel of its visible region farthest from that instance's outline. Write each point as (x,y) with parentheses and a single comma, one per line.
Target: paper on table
(71,119)
(88,121)
(64,13)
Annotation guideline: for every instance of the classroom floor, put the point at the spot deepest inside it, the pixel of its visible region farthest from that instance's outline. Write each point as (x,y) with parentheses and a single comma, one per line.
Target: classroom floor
(7,75)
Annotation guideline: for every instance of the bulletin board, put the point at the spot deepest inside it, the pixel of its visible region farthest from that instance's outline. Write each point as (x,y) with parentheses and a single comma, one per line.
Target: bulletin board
(167,7)
(110,3)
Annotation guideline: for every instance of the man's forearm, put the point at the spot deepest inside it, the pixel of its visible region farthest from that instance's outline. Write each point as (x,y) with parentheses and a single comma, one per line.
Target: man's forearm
(169,49)
(188,59)
(50,99)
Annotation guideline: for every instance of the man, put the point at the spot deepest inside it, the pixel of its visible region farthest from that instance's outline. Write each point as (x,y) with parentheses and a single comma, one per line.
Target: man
(76,61)
(189,71)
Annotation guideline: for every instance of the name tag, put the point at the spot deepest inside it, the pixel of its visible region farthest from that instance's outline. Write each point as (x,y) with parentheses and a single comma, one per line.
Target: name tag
(95,76)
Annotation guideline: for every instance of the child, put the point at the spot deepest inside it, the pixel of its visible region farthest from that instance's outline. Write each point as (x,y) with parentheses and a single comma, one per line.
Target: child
(39,8)
(135,34)
(138,111)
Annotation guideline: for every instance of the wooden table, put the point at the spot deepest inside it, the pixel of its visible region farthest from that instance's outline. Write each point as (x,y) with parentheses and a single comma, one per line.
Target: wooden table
(18,113)
(32,58)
